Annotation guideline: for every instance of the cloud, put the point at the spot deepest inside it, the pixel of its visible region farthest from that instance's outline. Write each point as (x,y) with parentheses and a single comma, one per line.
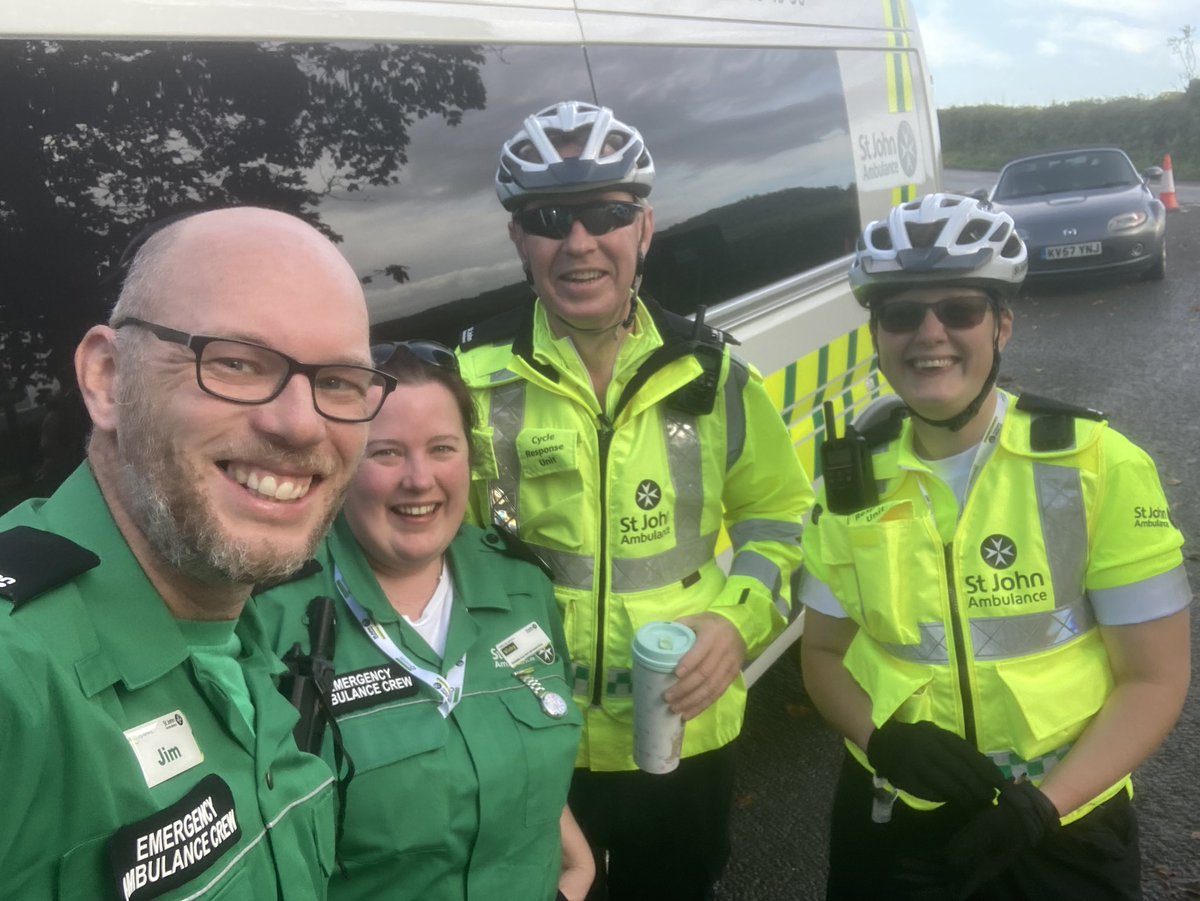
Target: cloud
(1047,49)
(948,44)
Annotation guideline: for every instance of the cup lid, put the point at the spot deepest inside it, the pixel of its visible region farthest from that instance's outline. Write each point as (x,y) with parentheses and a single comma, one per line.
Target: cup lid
(661,645)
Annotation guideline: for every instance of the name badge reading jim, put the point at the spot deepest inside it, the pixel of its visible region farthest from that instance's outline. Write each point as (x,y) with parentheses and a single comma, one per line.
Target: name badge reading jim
(529,641)
(164,747)
(175,845)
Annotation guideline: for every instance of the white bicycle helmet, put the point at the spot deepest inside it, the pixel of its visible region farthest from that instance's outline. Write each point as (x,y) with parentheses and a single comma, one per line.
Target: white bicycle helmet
(613,156)
(939,239)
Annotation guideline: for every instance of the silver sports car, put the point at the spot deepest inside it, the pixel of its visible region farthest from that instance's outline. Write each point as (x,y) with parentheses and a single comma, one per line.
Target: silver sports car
(1085,210)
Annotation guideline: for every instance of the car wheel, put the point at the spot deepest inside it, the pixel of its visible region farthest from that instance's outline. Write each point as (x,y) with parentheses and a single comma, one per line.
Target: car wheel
(1158,271)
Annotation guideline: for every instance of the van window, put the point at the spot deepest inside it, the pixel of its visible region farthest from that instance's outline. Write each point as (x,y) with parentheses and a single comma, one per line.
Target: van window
(391,149)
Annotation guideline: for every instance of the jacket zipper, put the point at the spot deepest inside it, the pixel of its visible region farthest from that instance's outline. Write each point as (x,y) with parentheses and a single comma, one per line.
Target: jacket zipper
(604,435)
(964,678)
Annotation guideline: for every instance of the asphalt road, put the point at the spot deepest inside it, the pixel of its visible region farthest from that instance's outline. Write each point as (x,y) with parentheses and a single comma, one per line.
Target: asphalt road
(1130,349)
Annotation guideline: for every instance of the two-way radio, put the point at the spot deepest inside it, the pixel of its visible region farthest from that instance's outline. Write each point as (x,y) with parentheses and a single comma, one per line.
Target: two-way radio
(310,676)
(846,465)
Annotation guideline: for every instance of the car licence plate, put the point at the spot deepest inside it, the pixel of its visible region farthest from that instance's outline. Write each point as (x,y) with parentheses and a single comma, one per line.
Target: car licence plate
(1067,251)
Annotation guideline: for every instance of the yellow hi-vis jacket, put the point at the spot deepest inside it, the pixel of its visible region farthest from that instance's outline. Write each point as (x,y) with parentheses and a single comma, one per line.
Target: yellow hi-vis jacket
(624,501)
(983,622)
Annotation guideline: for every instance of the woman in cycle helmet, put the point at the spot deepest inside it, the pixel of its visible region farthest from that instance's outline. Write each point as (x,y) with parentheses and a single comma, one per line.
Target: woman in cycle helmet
(997,640)
(940,246)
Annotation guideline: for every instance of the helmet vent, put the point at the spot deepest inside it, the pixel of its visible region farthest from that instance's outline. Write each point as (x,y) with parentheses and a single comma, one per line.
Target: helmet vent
(975,230)
(882,238)
(1013,249)
(924,234)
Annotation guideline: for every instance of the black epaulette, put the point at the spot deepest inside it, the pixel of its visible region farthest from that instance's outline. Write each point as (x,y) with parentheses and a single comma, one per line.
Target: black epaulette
(33,561)
(685,329)
(884,429)
(310,568)
(502,328)
(1053,426)
(682,337)
(512,545)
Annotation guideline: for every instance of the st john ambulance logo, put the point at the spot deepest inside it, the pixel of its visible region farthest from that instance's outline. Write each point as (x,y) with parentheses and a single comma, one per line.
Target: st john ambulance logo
(648,494)
(998,551)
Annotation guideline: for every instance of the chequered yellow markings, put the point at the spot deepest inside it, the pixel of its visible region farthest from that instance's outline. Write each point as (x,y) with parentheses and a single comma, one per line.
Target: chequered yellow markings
(843,372)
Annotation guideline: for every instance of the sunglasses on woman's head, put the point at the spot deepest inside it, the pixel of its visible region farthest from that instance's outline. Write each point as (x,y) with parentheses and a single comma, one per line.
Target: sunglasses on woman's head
(430,352)
(899,317)
(598,218)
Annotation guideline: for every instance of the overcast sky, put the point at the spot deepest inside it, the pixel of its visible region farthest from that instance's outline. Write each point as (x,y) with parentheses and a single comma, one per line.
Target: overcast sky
(1038,52)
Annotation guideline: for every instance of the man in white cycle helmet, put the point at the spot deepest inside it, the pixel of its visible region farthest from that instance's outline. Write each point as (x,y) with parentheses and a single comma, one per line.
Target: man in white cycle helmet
(618,439)
(997,614)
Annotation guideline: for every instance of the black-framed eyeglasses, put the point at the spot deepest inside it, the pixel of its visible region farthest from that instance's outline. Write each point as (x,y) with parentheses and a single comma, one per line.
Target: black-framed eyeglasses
(426,351)
(598,218)
(899,317)
(246,373)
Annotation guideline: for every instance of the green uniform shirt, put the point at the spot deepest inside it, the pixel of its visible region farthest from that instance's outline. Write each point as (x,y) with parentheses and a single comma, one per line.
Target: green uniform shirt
(444,809)
(211,810)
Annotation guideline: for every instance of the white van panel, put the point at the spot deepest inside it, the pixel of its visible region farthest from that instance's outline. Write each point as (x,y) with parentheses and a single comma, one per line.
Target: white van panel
(550,22)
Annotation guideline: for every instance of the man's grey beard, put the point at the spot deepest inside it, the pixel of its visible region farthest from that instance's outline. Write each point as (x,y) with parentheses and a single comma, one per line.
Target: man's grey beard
(178,524)
(194,544)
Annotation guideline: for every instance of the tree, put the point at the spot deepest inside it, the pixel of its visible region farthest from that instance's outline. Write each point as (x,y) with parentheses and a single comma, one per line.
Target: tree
(1184,47)
(101,137)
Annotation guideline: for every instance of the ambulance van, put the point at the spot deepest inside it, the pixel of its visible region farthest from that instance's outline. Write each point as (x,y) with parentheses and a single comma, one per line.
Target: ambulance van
(779,128)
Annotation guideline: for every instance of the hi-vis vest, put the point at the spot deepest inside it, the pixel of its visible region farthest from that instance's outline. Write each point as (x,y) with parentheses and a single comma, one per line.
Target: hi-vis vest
(624,504)
(984,626)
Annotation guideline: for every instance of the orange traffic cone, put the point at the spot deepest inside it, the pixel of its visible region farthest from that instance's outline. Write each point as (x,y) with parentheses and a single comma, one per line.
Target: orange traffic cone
(1167,194)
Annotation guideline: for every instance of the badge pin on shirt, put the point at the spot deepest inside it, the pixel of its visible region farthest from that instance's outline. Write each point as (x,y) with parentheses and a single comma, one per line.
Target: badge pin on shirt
(528,641)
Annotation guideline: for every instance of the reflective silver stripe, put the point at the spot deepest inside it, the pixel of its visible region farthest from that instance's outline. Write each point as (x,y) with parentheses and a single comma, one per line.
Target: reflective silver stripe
(1064,529)
(932,648)
(567,570)
(686,469)
(1003,637)
(502,375)
(759,568)
(506,416)
(741,533)
(735,411)
(630,574)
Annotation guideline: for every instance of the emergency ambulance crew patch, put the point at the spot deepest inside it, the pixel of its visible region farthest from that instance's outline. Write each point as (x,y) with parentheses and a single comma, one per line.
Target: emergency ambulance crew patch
(368,687)
(177,844)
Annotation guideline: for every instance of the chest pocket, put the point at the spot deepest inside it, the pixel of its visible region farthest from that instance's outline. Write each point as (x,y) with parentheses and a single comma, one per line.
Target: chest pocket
(548,745)
(885,567)
(401,767)
(546,451)
(551,492)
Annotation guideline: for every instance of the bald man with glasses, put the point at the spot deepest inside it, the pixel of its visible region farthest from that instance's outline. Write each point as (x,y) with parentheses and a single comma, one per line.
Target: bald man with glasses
(147,750)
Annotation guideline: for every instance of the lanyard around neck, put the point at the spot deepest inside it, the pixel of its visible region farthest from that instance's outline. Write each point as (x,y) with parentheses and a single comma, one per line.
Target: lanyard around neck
(449,687)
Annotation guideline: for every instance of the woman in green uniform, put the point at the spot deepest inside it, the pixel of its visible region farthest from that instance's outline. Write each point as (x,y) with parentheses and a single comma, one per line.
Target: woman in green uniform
(450,693)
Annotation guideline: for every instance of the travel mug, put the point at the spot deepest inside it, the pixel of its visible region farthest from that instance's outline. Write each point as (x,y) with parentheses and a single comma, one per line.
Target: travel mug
(657,731)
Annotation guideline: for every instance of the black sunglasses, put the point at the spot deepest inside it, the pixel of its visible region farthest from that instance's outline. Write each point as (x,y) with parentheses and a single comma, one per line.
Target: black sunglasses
(426,351)
(902,316)
(598,218)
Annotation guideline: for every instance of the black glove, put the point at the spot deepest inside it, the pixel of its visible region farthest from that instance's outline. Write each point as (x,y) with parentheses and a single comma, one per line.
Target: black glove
(932,763)
(984,848)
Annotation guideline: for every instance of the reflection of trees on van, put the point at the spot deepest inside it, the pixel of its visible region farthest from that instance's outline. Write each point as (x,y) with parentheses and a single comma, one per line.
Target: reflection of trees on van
(754,242)
(701,261)
(100,137)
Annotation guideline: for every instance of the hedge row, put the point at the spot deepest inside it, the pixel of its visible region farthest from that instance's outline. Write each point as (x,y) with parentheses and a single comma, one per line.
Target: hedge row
(986,137)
